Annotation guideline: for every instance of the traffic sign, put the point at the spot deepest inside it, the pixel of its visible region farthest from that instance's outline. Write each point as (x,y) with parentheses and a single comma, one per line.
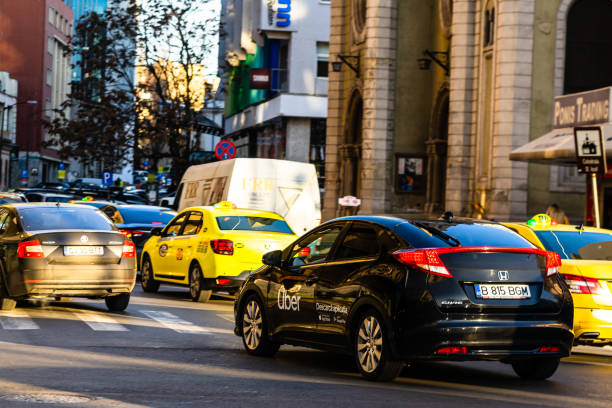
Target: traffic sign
(225,150)
(61,174)
(590,150)
(107,178)
(61,166)
(24,174)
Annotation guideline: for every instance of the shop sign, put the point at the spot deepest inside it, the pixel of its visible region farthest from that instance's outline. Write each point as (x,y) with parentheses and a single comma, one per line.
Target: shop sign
(590,150)
(349,201)
(580,109)
(279,12)
(260,78)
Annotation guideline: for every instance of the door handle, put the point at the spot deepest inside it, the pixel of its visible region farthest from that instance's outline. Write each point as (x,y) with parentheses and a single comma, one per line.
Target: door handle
(312,280)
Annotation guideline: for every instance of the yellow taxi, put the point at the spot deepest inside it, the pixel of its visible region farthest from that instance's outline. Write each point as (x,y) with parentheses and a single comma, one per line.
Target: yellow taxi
(586,265)
(211,248)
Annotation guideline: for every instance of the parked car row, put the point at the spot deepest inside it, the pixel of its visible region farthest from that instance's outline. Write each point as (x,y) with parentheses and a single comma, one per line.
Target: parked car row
(114,194)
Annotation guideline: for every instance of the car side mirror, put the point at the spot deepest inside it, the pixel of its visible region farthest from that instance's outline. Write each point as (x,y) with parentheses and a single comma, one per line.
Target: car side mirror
(156,232)
(273,258)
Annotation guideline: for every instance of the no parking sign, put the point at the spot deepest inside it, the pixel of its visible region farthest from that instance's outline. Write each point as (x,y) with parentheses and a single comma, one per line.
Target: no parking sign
(225,150)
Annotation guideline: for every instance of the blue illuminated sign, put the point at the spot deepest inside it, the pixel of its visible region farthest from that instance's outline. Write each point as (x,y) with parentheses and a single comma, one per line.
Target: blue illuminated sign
(283,16)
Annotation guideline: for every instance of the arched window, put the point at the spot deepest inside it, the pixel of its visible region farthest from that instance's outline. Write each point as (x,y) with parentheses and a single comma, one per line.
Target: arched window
(489,25)
(588,51)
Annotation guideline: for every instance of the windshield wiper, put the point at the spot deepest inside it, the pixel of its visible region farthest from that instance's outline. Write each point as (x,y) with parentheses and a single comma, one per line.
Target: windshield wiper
(445,237)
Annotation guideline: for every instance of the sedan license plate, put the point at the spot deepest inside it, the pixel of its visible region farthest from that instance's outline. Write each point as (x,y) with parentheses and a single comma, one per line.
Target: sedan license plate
(83,250)
(506,291)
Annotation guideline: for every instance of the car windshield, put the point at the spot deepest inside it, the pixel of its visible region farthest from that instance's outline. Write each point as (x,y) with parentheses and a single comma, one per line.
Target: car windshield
(596,246)
(146,216)
(58,199)
(63,218)
(247,223)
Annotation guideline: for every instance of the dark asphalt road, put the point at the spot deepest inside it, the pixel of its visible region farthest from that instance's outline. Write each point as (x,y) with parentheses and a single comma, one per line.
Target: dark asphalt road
(166,351)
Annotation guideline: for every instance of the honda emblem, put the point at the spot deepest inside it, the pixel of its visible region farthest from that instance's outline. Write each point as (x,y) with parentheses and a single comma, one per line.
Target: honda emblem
(503,275)
(84,238)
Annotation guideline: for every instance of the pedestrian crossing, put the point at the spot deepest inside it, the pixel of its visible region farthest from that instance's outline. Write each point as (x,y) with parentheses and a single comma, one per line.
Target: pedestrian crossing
(31,319)
(17,320)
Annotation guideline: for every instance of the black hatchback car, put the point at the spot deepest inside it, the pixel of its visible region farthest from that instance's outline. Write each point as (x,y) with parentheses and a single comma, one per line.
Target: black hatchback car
(390,290)
(63,250)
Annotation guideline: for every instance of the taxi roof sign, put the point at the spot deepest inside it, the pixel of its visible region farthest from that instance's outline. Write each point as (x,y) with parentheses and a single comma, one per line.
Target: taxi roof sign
(541,220)
(225,204)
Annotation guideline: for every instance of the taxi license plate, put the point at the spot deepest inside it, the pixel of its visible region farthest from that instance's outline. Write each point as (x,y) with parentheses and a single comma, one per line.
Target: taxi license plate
(507,291)
(83,250)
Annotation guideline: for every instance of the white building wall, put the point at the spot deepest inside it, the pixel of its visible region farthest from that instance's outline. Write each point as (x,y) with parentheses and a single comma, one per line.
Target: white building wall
(247,23)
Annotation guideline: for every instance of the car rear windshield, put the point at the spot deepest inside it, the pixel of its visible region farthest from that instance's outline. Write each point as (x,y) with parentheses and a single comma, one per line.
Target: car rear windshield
(63,218)
(481,234)
(596,246)
(247,223)
(146,216)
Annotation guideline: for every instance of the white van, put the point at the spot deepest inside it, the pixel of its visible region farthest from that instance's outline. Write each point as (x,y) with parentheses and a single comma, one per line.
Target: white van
(285,187)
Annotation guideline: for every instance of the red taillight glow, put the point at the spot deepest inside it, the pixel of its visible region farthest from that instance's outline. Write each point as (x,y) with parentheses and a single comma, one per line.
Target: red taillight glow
(223,281)
(30,249)
(132,233)
(553,263)
(583,285)
(428,260)
(129,249)
(452,350)
(425,259)
(222,246)
(550,349)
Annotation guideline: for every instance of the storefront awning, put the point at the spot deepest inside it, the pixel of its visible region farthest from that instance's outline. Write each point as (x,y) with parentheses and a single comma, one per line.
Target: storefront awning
(557,147)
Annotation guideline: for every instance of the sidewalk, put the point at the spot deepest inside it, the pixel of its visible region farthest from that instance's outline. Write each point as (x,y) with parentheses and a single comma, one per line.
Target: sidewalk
(600,351)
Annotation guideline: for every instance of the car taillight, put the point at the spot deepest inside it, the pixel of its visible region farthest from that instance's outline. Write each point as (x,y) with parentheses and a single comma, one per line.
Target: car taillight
(132,233)
(30,249)
(583,285)
(452,350)
(129,249)
(222,246)
(426,260)
(553,263)
(223,281)
(549,349)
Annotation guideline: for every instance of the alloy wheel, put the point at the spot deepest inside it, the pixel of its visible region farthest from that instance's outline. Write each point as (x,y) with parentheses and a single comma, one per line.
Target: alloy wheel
(194,282)
(252,325)
(369,344)
(145,273)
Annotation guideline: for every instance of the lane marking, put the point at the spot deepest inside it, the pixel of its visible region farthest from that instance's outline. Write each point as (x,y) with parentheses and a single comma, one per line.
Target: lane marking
(175,323)
(17,320)
(226,316)
(100,322)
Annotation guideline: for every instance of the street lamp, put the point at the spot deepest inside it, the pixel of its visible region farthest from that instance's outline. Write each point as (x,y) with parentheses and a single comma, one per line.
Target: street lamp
(4,109)
(439,57)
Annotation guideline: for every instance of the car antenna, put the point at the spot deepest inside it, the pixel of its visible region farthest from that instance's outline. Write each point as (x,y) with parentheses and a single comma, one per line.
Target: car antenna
(448,216)
(580,228)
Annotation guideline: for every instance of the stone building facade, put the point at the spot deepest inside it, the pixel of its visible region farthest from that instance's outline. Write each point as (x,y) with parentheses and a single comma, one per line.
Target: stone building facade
(405,139)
